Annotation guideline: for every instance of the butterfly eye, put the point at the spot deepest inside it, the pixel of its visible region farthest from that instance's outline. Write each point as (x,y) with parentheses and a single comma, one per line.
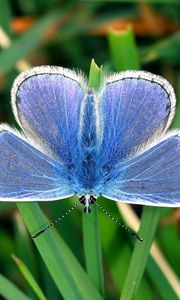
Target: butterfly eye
(92,199)
(82,199)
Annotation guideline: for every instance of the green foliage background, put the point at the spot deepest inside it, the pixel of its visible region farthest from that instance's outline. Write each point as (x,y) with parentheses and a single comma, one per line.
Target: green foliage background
(87,257)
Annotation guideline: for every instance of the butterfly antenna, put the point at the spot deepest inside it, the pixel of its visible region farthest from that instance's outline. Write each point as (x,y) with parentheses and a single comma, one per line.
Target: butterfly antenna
(35,235)
(131,232)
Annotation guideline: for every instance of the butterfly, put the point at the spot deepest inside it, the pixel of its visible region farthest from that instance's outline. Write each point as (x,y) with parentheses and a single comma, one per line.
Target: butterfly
(75,140)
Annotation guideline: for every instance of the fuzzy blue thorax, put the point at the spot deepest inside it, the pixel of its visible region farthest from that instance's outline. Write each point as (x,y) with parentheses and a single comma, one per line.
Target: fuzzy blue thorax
(88,144)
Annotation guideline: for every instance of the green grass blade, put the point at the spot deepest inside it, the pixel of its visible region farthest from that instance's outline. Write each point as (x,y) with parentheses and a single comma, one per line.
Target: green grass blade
(5,16)
(91,233)
(117,249)
(176,121)
(29,277)
(149,221)
(9,291)
(95,76)
(160,281)
(124,55)
(24,246)
(117,252)
(67,273)
(92,248)
(29,41)
(25,250)
(166,49)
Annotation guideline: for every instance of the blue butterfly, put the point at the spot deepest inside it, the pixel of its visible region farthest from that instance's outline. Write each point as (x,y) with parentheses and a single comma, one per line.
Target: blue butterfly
(76,140)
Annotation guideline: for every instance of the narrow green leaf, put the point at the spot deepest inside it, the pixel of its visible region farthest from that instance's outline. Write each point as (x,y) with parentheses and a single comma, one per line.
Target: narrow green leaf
(160,281)
(67,273)
(9,291)
(118,251)
(167,49)
(25,250)
(92,248)
(24,245)
(28,42)
(149,221)
(91,233)
(79,23)
(5,16)
(29,277)
(176,121)
(123,50)
(95,75)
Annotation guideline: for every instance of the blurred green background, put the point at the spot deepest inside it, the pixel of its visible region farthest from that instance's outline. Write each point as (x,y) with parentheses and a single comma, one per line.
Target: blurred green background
(69,34)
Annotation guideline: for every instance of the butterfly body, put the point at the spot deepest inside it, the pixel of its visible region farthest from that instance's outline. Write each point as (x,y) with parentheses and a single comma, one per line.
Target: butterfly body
(86,163)
(76,140)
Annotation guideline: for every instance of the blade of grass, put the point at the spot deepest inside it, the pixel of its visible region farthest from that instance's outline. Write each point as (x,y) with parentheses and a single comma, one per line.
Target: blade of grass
(24,245)
(167,49)
(124,55)
(47,282)
(5,15)
(165,272)
(95,76)
(79,23)
(176,121)
(117,248)
(160,281)
(92,248)
(9,291)
(25,250)
(29,41)
(149,221)
(157,261)
(29,277)
(70,224)
(69,276)
(91,233)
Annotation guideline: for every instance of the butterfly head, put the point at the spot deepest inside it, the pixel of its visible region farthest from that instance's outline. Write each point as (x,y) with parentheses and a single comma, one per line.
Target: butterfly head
(87,200)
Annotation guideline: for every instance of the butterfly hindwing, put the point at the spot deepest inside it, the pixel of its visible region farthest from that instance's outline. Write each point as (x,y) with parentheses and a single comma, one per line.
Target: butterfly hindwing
(151,178)
(26,174)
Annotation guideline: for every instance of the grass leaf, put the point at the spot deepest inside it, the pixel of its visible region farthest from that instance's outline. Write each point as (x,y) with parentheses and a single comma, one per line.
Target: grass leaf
(166,49)
(9,291)
(29,41)
(29,277)
(149,221)
(67,273)
(124,55)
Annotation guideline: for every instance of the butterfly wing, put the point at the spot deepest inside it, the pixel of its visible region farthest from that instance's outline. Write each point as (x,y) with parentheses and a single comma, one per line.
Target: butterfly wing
(136,110)
(46,102)
(151,178)
(135,107)
(26,174)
